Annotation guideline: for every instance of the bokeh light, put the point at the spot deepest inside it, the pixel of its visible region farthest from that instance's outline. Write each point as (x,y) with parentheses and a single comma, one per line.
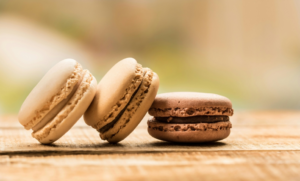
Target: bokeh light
(248,51)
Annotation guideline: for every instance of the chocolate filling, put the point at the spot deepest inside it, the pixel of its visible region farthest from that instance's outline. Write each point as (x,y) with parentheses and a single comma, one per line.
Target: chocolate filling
(111,124)
(194,119)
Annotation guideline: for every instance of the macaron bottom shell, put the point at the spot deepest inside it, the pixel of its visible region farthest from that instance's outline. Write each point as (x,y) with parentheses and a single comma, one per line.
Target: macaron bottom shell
(189,133)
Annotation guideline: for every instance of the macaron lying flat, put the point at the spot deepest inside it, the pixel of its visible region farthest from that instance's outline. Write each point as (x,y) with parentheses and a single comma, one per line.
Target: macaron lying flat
(123,97)
(58,101)
(190,117)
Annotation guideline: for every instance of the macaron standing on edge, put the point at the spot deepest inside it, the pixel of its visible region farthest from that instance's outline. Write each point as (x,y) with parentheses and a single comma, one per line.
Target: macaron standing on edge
(123,97)
(58,101)
(190,117)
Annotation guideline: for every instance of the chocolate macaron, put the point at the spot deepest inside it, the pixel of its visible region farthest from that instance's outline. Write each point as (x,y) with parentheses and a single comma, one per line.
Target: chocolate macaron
(124,95)
(190,117)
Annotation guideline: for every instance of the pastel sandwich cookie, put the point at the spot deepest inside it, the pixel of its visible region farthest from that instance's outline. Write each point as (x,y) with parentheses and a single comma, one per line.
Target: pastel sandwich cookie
(190,117)
(124,95)
(58,101)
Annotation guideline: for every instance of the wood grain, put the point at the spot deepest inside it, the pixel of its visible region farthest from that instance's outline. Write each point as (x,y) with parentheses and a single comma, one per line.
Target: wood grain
(221,165)
(262,146)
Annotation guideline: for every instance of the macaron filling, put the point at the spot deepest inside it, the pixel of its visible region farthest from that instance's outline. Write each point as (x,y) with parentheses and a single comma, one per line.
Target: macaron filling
(194,119)
(125,99)
(122,119)
(59,106)
(111,124)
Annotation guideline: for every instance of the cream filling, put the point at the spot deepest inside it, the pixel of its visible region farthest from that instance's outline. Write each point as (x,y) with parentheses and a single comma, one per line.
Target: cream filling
(131,108)
(58,107)
(117,118)
(111,124)
(56,99)
(120,105)
(69,107)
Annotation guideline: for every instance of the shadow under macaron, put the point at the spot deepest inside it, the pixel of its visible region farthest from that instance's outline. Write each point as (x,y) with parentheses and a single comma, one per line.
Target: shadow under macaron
(142,147)
(202,145)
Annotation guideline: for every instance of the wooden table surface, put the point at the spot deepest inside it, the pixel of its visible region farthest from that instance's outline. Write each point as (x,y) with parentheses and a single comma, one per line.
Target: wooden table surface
(262,146)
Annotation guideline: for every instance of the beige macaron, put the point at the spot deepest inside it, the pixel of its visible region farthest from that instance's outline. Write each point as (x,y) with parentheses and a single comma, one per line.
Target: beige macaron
(123,97)
(58,101)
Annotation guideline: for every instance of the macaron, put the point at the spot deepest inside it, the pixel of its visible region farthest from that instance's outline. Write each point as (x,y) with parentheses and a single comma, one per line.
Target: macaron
(124,95)
(190,117)
(58,101)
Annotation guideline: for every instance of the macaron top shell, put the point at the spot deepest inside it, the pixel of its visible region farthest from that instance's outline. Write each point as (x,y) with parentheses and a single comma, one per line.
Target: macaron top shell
(114,92)
(187,104)
(53,88)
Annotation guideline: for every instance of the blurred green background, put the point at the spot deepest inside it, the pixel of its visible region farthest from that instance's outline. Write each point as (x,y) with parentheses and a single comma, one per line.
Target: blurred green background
(246,50)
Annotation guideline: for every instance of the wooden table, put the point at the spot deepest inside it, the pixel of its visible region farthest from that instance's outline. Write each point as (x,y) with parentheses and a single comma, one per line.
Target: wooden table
(262,146)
